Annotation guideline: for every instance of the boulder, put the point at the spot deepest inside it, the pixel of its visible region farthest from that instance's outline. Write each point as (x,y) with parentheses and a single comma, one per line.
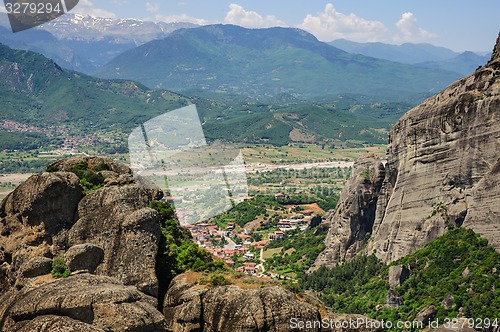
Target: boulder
(48,200)
(393,299)
(397,275)
(426,315)
(85,257)
(191,307)
(35,267)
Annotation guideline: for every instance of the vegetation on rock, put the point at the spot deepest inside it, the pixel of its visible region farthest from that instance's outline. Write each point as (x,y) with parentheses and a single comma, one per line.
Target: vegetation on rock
(460,266)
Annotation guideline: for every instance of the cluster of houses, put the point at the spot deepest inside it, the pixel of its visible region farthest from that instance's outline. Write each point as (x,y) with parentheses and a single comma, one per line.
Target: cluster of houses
(217,240)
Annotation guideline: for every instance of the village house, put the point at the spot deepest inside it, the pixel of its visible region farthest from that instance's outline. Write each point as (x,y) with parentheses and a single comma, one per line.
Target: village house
(276,236)
(250,267)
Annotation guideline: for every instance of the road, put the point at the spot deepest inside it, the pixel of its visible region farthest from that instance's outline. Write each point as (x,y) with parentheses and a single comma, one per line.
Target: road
(258,167)
(230,244)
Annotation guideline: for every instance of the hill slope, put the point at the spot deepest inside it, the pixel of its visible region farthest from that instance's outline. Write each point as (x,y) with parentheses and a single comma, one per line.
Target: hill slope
(405,53)
(39,96)
(266,62)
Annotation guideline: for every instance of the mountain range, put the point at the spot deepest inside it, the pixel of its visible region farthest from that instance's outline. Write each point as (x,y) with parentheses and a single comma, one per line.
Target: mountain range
(36,92)
(266,62)
(83,42)
(425,55)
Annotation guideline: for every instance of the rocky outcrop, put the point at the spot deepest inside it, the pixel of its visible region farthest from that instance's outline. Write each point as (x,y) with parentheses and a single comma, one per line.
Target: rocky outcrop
(190,307)
(350,225)
(193,307)
(442,171)
(118,220)
(110,232)
(93,303)
(84,257)
(109,240)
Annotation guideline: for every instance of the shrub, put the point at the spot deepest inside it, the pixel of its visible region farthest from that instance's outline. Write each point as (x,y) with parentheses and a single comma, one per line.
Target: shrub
(102,167)
(218,280)
(59,268)
(52,168)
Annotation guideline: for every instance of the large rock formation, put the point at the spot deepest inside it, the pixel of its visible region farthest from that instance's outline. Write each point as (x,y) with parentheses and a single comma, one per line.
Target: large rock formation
(350,225)
(110,231)
(443,170)
(93,303)
(189,306)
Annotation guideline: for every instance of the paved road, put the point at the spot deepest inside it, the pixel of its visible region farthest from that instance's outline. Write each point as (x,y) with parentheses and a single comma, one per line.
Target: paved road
(230,244)
(252,167)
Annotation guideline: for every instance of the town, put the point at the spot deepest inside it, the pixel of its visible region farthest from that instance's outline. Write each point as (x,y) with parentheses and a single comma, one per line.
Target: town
(241,248)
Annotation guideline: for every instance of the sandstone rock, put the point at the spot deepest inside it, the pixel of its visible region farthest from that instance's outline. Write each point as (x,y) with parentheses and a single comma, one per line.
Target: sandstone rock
(84,257)
(51,323)
(37,266)
(190,307)
(32,219)
(397,275)
(350,226)
(448,302)
(438,155)
(102,303)
(65,165)
(392,299)
(466,272)
(48,199)
(118,220)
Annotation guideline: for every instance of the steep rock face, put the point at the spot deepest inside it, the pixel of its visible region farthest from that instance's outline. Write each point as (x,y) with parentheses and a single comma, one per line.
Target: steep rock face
(350,225)
(443,170)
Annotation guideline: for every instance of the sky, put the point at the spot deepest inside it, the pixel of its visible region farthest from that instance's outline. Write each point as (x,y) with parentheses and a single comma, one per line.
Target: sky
(456,24)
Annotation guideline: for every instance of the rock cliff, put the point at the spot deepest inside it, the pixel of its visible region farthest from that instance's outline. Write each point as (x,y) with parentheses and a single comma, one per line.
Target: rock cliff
(350,225)
(443,170)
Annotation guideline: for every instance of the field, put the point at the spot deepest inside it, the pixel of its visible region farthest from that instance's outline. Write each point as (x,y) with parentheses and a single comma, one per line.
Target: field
(9,181)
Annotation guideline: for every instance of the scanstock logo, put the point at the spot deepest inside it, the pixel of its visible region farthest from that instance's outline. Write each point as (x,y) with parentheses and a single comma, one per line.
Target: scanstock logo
(25,14)
(202,180)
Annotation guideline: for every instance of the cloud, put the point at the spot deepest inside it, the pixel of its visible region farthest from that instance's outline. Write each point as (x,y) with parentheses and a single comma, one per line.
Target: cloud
(331,24)
(250,19)
(87,7)
(152,7)
(178,18)
(409,31)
